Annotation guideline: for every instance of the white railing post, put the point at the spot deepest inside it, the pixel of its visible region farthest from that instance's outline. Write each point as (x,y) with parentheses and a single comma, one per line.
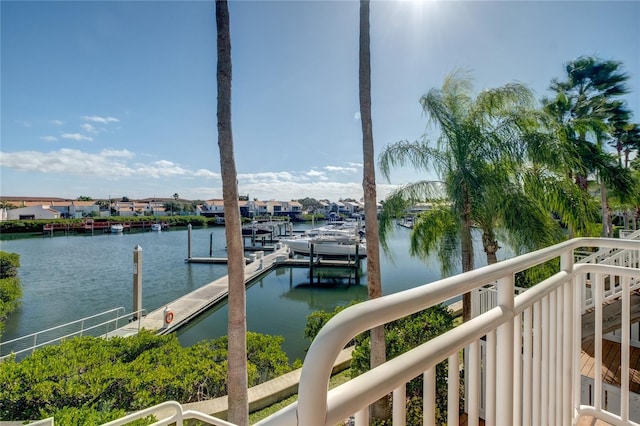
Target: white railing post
(361,418)
(553,351)
(537,402)
(504,359)
(624,346)
(567,352)
(544,363)
(453,390)
(400,405)
(597,297)
(579,286)
(517,370)
(473,386)
(527,369)
(429,397)
(490,377)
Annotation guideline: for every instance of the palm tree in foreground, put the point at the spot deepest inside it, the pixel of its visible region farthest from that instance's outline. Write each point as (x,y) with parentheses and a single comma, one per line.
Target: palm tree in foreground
(476,158)
(381,409)
(237,327)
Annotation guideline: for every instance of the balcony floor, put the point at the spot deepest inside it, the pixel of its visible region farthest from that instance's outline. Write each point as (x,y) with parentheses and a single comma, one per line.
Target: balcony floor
(611,363)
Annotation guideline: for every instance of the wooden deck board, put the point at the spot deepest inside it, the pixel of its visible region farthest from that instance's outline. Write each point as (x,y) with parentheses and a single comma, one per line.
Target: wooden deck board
(612,317)
(611,368)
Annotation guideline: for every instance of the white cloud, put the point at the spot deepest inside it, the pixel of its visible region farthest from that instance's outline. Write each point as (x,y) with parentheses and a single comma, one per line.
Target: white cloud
(56,122)
(49,138)
(160,168)
(341,169)
(314,173)
(98,119)
(89,128)
(119,153)
(67,161)
(24,123)
(204,173)
(76,137)
(112,170)
(267,177)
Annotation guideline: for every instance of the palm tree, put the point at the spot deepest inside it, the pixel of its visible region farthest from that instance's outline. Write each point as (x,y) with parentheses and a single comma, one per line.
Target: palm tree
(381,409)
(480,144)
(586,110)
(237,326)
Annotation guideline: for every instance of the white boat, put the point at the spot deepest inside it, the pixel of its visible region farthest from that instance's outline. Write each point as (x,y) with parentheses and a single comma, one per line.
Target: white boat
(156,227)
(330,240)
(324,245)
(117,228)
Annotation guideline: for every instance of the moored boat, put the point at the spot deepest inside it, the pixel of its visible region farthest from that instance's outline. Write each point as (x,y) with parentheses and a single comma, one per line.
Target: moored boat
(156,227)
(117,228)
(324,245)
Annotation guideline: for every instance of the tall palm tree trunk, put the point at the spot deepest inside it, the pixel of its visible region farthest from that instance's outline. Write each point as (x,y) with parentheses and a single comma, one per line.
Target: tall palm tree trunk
(381,409)
(466,245)
(607,223)
(237,326)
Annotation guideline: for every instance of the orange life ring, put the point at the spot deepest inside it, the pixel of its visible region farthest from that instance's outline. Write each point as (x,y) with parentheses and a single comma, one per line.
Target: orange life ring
(168,317)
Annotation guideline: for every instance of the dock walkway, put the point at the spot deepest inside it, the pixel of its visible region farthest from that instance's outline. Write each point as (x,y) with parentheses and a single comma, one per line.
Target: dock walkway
(192,304)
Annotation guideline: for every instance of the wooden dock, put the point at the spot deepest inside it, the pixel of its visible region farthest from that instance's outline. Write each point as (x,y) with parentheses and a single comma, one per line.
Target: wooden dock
(189,306)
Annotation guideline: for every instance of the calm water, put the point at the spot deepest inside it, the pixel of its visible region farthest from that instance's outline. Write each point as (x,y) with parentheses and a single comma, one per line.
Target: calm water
(69,277)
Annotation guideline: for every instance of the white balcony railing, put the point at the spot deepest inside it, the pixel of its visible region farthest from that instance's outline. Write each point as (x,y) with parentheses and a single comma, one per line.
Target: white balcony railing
(531,371)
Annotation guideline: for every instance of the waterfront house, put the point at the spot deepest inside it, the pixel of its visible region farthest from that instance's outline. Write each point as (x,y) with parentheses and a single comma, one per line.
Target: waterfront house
(39,211)
(78,209)
(253,208)
(213,208)
(293,209)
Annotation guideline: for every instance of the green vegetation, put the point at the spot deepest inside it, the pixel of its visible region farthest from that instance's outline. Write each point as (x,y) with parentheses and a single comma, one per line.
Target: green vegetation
(10,290)
(89,380)
(400,336)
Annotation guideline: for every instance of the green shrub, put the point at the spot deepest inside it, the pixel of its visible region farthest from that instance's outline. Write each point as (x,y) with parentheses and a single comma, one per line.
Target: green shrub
(87,377)
(400,336)
(10,290)
(9,264)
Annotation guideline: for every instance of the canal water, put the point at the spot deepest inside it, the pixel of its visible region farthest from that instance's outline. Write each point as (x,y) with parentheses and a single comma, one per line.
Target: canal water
(66,278)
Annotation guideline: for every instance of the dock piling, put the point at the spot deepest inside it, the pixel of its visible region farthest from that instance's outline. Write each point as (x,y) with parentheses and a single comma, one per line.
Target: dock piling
(137,281)
(189,241)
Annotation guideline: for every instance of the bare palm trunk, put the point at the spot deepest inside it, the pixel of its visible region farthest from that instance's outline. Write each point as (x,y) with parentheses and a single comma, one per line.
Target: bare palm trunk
(466,244)
(237,328)
(381,409)
(490,245)
(607,223)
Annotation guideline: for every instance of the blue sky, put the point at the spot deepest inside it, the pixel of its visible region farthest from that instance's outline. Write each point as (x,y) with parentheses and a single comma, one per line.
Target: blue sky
(118,98)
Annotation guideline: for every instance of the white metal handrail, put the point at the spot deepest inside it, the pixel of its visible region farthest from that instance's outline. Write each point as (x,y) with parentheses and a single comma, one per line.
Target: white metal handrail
(177,416)
(120,316)
(316,406)
(531,369)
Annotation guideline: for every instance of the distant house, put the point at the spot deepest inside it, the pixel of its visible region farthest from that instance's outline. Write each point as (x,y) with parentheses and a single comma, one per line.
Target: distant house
(352,208)
(293,209)
(253,208)
(155,208)
(80,209)
(41,211)
(213,208)
(323,209)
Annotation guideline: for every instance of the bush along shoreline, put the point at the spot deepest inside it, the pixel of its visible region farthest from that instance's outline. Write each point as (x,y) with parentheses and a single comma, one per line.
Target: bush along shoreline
(10,289)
